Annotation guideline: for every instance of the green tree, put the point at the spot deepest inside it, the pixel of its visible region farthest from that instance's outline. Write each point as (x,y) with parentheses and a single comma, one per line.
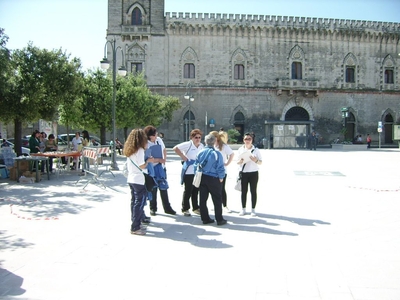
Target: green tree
(137,106)
(36,82)
(97,103)
(4,63)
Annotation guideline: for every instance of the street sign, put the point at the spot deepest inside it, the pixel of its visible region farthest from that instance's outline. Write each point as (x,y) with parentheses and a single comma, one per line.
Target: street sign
(380,129)
(379,124)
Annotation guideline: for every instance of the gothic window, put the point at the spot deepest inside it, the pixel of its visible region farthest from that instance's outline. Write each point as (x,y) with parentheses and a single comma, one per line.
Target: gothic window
(136,17)
(297,70)
(389,76)
(350,74)
(239,72)
(189,71)
(137,68)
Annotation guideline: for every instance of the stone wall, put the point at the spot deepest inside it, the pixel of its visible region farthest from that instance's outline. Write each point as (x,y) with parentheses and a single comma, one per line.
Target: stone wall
(266,46)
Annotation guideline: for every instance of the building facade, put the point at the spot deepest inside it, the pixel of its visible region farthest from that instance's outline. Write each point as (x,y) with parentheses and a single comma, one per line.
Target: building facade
(274,76)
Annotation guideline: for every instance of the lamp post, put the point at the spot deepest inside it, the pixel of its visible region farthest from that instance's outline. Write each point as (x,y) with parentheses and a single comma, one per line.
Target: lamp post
(105,64)
(188,96)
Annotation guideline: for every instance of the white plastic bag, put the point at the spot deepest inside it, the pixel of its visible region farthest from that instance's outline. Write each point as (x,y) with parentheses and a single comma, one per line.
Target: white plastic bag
(197,178)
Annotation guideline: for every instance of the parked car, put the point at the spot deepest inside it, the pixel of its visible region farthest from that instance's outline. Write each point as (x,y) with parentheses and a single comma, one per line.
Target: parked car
(24,142)
(72,135)
(25,151)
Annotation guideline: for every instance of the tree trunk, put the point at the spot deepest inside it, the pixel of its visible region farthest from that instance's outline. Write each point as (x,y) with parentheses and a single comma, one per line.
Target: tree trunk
(18,137)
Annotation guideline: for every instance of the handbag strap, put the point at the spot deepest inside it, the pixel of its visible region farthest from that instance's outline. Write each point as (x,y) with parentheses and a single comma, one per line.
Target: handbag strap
(205,161)
(251,152)
(136,165)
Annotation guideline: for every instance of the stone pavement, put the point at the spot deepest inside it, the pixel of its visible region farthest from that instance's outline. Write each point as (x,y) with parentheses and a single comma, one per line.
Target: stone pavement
(327,227)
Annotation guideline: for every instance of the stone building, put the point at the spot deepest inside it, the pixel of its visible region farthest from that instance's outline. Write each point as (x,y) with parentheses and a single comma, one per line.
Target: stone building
(275,76)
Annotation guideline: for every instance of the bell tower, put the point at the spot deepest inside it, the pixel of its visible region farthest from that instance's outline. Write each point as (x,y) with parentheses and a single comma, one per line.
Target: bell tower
(135,19)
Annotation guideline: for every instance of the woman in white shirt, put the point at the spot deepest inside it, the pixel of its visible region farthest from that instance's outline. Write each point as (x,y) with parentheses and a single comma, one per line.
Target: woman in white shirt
(134,151)
(227,153)
(160,172)
(188,152)
(249,168)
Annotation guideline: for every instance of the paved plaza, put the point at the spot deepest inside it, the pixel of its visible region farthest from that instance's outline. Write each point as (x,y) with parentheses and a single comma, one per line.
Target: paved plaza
(327,227)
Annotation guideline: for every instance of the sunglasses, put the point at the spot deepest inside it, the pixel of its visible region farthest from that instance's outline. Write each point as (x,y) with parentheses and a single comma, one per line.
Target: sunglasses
(247,139)
(197,137)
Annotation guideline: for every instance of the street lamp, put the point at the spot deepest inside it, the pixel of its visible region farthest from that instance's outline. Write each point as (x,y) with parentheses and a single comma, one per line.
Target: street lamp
(105,64)
(188,96)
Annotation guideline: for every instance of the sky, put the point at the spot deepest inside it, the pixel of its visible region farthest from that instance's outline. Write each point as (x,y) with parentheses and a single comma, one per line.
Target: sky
(78,27)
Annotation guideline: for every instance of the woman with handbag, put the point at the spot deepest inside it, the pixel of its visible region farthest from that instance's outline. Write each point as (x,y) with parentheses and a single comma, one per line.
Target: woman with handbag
(227,154)
(134,151)
(187,152)
(249,172)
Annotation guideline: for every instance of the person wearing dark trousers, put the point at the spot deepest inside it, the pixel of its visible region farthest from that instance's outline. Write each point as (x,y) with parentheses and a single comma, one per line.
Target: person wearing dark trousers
(188,151)
(369,140)
(313,141)
(249,167)
(161,174)
(211,163)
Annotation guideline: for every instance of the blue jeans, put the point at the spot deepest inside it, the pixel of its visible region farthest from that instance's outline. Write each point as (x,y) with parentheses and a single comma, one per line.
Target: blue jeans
(138,200)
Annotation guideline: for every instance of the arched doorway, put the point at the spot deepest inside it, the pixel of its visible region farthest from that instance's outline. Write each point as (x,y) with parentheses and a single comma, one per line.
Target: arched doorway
(238,122)
(388,129)
(350,125)
(297,113)
(187,128)
(294,134)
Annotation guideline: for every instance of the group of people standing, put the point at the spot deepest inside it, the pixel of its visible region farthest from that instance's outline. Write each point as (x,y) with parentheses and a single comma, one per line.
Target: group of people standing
(211,159)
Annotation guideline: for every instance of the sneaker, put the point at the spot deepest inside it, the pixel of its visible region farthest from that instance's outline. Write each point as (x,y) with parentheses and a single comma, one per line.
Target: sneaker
(227,210)
(196,211)
(186,213)
(170,212)
(152,213)
(253,213)
(140,231)
(146,221)
(242,212)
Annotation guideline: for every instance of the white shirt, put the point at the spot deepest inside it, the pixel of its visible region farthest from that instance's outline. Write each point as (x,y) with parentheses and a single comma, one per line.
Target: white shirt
(190,151)
(226,153)
(76,142)
(134,174)
(250,166)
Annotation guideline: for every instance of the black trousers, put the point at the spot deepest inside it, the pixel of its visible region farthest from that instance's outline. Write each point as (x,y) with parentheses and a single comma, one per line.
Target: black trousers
(190,192)
(164,199)
(251,179)
(210,185)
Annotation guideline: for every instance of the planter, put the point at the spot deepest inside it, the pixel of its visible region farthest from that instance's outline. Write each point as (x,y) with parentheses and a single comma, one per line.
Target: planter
(349,147)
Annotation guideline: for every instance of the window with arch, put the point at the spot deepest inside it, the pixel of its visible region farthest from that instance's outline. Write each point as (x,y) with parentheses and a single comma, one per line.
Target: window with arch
(297,70)
(136,16)
(389,76)
(239,72)
(189,71)
(350,74)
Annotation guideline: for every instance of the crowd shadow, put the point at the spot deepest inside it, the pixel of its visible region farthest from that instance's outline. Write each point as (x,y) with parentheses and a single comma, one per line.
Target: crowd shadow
(10,284)
(299,221)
